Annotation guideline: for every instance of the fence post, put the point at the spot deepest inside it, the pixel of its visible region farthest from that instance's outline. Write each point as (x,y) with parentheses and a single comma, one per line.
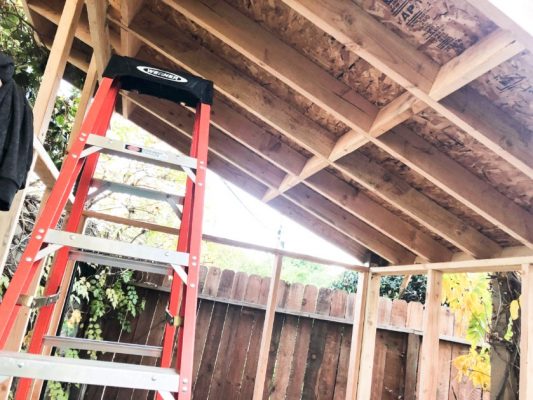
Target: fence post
(370,325)
(526,334)
(270,314)
(429,352)
(357,335)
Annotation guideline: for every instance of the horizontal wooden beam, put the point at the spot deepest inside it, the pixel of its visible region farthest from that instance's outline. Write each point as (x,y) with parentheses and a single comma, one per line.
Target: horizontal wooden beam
(220,240)
(453,267)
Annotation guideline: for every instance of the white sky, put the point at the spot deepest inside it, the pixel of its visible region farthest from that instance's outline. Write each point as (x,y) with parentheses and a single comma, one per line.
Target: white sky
(233,213)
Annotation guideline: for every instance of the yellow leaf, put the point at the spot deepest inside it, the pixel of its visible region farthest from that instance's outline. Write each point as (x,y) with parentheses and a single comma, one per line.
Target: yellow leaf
(513,308)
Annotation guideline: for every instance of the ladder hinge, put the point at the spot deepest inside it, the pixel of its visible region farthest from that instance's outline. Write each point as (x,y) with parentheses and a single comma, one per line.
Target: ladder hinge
(37,302)
(177,321)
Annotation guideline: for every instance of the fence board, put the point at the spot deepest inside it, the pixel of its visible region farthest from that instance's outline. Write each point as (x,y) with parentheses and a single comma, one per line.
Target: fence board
(344,358)
(445,354)
(280,381)
(207,364)
(328,368)
(205,309)
(399,313)
(238,346)
(316,347)
(301,347)
(253,292)
(411,366)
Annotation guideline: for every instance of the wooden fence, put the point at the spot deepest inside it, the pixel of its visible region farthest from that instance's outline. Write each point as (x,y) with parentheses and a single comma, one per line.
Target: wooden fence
(310,343)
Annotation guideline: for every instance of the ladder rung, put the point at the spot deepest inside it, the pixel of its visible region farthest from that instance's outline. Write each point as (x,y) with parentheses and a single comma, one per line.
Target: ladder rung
(136,191)
(128,150)
(64,342)
(113,247)
(90,372)
(126,263)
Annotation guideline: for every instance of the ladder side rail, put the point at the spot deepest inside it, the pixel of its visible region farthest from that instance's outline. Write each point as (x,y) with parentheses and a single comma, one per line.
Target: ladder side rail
(60,262)
(191,295)
(177,287)
(190,189)
(27,267)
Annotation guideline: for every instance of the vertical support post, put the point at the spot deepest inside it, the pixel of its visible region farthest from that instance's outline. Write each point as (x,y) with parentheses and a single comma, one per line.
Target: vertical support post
(526,333)
(430,340)
(356,346)
(364,387)
(42,110)
(266,336)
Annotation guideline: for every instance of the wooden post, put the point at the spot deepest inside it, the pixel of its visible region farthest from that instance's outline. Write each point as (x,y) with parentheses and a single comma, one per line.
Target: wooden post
(357,335)
(270,314)
(97,15)
(429,352)
(42,110)
(526,334)
(364,387)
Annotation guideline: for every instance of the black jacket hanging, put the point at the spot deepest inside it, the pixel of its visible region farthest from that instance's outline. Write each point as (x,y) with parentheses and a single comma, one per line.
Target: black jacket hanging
(16,135)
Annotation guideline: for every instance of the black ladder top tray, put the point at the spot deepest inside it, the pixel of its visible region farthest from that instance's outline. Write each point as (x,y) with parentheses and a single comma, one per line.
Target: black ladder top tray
(142,77)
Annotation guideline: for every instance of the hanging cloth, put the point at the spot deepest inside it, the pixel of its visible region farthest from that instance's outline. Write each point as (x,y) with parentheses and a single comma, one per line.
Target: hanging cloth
(16,135)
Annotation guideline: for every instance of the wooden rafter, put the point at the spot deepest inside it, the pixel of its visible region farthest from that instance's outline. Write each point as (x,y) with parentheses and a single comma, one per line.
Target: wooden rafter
(418,206)
(129,44)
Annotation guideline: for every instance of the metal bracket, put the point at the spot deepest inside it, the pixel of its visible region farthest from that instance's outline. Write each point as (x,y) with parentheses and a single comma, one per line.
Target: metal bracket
(177,321)
(37,302)
(51,248)
(90,150)
(180,272)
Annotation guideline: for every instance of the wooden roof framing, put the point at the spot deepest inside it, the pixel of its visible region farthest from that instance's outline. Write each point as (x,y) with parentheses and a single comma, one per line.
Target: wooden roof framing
(349,154)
